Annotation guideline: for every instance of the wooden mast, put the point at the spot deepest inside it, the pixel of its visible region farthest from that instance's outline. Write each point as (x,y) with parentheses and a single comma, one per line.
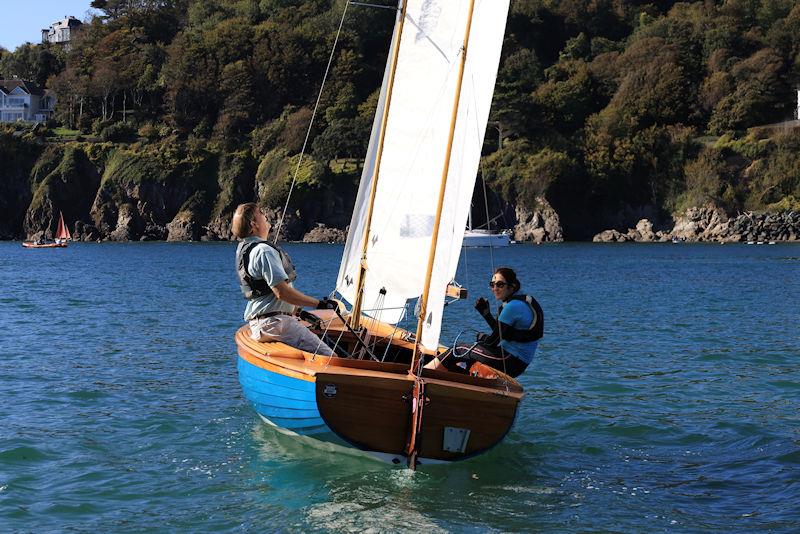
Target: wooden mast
(415,363)
(355,316)
(418,399)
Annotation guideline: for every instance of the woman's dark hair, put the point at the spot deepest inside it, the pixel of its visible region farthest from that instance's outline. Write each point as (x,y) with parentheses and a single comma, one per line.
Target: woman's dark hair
(510,276)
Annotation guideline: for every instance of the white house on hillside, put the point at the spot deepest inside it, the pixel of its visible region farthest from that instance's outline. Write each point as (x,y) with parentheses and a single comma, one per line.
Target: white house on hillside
(61,31)
(21,100)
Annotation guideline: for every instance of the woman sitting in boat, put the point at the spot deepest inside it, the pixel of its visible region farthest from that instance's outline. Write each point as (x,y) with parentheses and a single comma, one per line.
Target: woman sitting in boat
(265,275)
(511,345)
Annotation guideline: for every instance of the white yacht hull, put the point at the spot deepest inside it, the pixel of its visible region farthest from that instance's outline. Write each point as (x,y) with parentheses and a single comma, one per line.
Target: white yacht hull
(474,238)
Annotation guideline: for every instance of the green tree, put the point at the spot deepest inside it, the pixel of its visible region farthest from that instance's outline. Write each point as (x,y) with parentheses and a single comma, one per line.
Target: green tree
(760,94)
(236,88)
(30,62)
(517,78)
(568,96)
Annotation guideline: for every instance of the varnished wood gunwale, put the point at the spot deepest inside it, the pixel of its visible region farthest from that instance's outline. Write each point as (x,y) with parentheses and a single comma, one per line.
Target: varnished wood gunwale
(256,352)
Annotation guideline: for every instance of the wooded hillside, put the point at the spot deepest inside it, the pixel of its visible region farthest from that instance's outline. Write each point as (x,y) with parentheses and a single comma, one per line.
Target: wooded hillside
(607,110)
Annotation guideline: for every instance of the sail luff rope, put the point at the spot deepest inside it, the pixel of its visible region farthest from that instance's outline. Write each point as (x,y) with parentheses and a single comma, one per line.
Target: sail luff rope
(311,124)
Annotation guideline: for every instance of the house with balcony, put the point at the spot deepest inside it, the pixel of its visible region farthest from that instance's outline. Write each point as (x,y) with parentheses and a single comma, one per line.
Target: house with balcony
(61,32)
(21,100)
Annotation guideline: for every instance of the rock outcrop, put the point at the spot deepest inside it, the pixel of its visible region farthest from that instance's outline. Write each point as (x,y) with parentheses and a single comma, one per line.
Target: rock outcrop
(611,236)
(541,225)
(323,234)
(643,232)
(707,223)
(783,226)
(169,191)
(16,160)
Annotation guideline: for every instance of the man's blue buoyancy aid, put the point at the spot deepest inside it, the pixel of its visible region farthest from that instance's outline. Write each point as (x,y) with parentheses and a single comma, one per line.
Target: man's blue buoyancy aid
(534,332)
(253,288)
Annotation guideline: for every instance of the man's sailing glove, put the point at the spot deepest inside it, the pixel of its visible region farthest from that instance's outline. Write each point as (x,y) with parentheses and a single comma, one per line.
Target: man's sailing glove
(327,304)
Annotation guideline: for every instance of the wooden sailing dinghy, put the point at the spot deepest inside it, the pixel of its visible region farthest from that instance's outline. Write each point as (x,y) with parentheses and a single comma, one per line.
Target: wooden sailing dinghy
(404,243)
(62,236)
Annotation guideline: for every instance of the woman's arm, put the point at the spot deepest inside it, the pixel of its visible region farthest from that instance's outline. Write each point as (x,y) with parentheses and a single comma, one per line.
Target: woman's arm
(499,332)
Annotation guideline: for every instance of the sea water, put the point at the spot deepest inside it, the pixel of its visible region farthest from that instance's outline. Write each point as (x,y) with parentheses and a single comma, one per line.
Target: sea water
(665,396)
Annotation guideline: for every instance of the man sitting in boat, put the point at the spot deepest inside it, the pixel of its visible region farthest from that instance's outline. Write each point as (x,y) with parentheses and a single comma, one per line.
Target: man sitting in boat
(265,275)
(515,333)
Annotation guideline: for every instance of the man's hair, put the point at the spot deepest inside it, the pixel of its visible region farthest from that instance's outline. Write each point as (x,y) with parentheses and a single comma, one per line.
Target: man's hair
(510,276)
(243,219)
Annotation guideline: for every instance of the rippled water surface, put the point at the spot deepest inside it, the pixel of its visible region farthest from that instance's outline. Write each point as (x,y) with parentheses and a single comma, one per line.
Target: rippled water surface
(664,397)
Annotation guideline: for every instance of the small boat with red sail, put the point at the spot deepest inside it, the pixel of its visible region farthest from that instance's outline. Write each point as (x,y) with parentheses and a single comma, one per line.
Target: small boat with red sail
(62,236)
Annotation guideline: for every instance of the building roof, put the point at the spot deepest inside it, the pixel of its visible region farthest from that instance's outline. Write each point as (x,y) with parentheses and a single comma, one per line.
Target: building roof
(29,87)
(66,22)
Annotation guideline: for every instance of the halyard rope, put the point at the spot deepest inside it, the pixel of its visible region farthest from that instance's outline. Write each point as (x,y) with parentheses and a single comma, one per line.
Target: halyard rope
(311,124)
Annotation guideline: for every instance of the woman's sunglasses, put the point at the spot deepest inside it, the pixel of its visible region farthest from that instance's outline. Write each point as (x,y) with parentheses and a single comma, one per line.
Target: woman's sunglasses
(499,285)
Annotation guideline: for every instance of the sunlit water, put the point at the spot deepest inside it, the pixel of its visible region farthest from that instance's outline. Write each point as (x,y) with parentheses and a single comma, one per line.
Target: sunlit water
(664,397)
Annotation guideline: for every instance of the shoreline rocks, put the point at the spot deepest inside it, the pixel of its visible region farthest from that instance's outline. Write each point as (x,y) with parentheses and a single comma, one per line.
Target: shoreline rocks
(711,224)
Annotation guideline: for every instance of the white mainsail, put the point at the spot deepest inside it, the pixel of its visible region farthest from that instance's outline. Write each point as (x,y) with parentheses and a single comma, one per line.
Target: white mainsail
(412,162)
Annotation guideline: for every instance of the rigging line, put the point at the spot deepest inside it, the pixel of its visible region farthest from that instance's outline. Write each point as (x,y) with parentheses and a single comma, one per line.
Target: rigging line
(483,180)
(364,4)
(311,124)
(466,265)
(389,343)
(335,346)
(370,325)
(324,333)
(357,337)
(488,226)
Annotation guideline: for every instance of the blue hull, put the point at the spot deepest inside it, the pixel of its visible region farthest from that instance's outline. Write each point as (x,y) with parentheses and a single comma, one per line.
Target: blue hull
(286,402)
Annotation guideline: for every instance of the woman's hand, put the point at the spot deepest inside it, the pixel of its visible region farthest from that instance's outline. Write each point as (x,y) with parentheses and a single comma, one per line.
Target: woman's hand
(482,305)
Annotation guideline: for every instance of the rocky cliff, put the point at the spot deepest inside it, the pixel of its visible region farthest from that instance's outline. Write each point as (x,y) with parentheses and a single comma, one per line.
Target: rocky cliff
(124,192)
(132,192)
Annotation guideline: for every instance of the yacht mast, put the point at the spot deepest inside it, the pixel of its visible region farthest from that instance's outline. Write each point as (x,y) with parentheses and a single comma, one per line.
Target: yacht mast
(416,360)
(355,316)
(418,391)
